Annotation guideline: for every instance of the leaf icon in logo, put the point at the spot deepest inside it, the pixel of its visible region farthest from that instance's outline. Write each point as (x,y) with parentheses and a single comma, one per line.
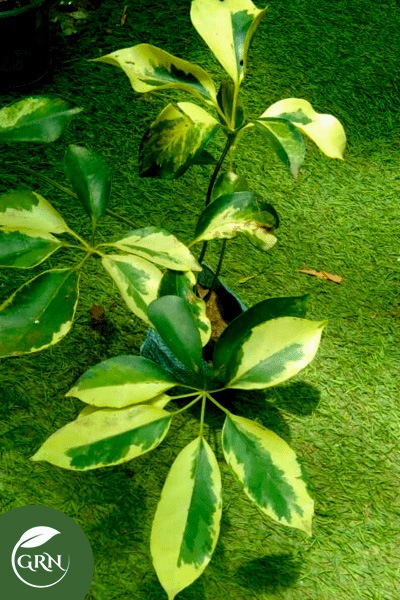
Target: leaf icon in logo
(36,536)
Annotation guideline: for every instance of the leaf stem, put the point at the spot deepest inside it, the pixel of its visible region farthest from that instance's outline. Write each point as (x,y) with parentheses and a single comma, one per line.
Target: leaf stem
(225,410)
(234,105)
(184,395)
(66,190)
(81,263)
(229,142)
(115,215)
(203,410)
(80,239)
(44,178)
(176,412)
(217,272)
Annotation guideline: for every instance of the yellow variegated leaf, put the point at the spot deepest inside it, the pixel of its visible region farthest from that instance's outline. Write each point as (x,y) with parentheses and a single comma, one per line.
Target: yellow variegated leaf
(137,279)
(25,248)
(269,471)
(273,352)
(235,213)
(121,381)
(150,68)
(106,437)
(29,210)
(160,247)
(227,27)
(324,130)
(175,140)
(159,401)
(186,524)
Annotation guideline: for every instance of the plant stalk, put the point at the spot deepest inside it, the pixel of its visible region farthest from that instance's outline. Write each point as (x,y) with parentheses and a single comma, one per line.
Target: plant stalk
(228,145)
(203,410)
(217,272)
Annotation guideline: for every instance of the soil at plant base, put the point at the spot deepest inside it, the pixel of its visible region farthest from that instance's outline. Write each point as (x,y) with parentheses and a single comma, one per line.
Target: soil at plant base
(215,312)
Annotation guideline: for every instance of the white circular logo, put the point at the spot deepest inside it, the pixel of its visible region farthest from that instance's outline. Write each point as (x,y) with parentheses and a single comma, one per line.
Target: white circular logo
(37,561)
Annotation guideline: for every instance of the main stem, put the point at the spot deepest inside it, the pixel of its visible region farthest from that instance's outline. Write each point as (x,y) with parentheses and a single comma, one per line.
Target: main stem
(228,145)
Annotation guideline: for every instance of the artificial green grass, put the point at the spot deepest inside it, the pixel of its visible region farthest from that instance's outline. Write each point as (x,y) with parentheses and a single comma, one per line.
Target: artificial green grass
(341,413)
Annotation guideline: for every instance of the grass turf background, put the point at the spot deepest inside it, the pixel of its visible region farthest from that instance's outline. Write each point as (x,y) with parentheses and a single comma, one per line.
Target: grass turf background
(341,413)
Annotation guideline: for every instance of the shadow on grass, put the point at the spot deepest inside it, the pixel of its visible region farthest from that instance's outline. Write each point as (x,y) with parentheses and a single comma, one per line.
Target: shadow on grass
(269,574)
(298,398)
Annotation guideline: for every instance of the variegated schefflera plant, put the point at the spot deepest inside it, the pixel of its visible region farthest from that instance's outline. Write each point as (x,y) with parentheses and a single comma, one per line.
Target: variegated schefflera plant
(41,312)
(126,416)
(179,136)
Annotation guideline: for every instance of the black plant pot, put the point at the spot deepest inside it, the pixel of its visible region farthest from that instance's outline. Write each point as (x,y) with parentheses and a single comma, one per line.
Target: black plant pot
(24,44)
(154,348)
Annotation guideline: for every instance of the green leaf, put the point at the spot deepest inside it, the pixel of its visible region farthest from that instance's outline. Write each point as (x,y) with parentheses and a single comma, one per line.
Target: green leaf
(240,329)
(228,183)
(227,28)
(175,323)
(151,69)
(204,158)
(35,119)
(235,213)
(137,279)
(105,438)
(25,248)
(285,139)
(175,140)
(324,130)
(90,177)
(121,381)
(186,524)
(39,314)
(267,468)
(158,246)
(273,352)
(175,283)
(29,210)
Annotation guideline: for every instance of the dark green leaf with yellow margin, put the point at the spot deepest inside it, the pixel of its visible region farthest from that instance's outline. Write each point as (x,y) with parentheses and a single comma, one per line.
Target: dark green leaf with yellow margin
(39,314)
(35,119)
(25,248)
(175,140)
(272,352)
(240,328)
